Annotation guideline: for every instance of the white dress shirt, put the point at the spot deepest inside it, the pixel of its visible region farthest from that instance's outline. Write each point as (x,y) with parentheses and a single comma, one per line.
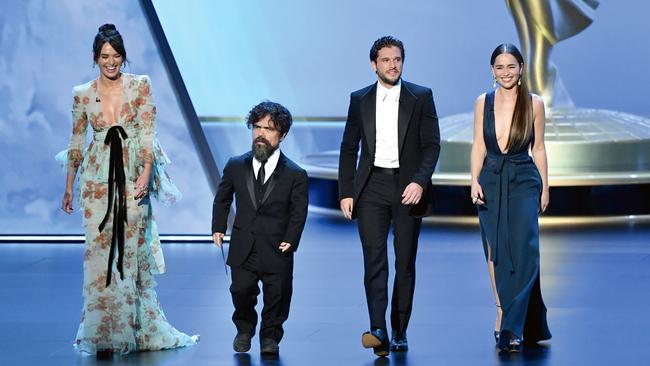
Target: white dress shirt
(386,140)
(269,167)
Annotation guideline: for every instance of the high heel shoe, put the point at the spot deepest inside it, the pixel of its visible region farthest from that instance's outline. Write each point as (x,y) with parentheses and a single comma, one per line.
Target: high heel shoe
(497,324)
(508,341)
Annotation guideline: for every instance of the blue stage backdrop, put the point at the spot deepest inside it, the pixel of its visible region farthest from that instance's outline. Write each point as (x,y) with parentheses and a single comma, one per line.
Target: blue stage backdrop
(232,54)
(310,55)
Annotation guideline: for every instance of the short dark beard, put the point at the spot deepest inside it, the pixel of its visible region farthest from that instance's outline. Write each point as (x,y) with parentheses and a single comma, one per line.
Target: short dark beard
(389,82)
(264,151)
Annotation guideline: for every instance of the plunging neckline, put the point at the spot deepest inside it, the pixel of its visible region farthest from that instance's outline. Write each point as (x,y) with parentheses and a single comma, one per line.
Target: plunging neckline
(101,109)
(494,125)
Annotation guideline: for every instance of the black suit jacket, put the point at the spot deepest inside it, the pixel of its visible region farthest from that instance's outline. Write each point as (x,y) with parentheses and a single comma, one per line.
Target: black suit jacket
(418,142)
(279,218)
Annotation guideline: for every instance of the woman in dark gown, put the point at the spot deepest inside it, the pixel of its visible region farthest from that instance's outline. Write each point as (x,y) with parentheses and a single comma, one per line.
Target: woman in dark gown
(510,189)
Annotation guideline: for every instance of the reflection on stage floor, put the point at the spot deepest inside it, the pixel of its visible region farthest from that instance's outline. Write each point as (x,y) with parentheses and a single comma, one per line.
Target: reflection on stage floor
(595,281)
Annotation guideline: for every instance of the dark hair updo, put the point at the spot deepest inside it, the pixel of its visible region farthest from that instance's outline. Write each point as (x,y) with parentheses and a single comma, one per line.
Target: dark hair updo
(108,33)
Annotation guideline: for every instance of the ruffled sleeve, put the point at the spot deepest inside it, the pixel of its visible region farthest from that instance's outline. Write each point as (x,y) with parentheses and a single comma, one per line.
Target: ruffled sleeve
(147,118)
(161,186)
(71,158)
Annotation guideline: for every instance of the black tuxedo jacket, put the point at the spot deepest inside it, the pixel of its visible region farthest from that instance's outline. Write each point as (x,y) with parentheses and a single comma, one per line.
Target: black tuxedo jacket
(279,218)
(418,142)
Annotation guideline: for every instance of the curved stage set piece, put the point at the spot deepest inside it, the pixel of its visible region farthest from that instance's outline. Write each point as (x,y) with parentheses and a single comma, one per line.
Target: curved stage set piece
(599,168)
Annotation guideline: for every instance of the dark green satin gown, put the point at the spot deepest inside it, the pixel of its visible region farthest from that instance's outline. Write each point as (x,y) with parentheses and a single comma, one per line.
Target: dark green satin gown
(512,187)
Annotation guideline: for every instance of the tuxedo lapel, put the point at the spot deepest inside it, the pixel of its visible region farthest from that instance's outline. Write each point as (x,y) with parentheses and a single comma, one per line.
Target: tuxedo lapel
(275,176)
(406,103)
(250,179)
(369,118)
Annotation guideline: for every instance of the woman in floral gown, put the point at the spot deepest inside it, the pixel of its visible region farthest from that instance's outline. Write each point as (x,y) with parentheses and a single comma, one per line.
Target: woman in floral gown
(118,173)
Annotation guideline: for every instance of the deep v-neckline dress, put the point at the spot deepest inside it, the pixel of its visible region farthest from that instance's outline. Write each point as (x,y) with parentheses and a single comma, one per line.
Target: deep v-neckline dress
(509,228)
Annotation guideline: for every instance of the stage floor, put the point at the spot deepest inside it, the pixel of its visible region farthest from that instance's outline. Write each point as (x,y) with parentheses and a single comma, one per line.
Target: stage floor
(595,282)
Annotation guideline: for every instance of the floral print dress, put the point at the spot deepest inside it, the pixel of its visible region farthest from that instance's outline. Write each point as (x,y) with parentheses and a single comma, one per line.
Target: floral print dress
(124,316)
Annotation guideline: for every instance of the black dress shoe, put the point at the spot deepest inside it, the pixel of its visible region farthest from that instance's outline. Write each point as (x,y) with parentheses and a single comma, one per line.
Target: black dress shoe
(242,342)
(269,346)
(377,339)
(509,342)
(398,342)
(104,354)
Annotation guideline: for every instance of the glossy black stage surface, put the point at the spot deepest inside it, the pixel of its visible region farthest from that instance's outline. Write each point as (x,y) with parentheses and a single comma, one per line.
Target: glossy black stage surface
(595,281)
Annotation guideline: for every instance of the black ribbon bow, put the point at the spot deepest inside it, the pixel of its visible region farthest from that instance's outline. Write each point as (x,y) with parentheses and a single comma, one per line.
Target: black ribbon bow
(116,179)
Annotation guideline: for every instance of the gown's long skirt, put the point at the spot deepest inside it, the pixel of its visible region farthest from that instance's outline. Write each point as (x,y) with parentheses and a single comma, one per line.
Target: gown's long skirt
(509,228)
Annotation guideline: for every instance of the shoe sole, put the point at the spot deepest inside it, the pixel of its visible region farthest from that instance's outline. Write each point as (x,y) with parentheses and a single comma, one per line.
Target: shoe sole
(399,349)
(243,349)
(270,352)
(382,353)
(511,349)
(370,341)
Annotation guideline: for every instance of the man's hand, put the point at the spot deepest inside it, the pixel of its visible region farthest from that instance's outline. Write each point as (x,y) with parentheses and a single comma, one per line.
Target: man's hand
(284,246)
(218,238)
(412,194)
(346,207)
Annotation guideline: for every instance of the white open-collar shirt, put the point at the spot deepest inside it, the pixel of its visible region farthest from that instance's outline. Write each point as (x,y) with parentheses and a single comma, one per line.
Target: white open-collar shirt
(386,144)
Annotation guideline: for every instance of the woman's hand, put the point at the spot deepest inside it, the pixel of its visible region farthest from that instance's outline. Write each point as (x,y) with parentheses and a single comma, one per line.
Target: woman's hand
(66,202)
(543,201)
(142,185)
(476,193)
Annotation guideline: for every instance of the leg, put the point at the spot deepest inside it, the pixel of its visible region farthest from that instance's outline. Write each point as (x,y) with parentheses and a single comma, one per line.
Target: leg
(277,289)
(244,291)
(374,215)
(406,231)
(526,314)
(497,323)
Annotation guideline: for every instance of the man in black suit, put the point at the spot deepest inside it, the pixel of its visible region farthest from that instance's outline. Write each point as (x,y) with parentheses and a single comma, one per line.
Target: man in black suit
(271,195)
(396,124)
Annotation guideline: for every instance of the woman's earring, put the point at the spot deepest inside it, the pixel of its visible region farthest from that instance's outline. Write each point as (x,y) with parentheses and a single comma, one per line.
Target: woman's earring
(494,81)
(519,81)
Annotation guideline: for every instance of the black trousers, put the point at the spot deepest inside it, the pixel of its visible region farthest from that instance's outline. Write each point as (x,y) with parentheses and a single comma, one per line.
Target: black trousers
(380,205)
(244,289)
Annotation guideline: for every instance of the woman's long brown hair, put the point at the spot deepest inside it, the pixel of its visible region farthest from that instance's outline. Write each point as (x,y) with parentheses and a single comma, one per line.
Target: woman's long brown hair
(521,128)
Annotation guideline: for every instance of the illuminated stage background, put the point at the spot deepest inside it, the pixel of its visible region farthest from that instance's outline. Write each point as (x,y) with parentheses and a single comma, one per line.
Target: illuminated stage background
(305,55)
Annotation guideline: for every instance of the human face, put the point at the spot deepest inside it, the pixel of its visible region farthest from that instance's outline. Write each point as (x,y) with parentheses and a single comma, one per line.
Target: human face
(109,62)
(506,70)
(266,138)
(388,66)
